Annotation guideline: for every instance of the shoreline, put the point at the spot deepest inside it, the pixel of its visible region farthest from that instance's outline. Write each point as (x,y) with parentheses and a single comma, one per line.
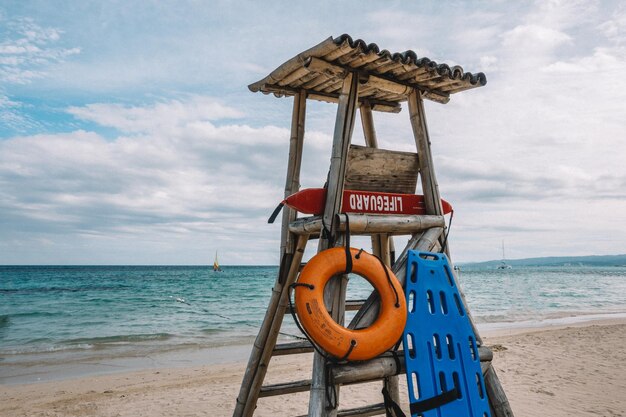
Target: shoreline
(577,369)
(70,365)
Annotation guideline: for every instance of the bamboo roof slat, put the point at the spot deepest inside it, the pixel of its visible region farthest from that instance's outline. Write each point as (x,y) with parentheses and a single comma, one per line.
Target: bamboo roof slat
(308,71)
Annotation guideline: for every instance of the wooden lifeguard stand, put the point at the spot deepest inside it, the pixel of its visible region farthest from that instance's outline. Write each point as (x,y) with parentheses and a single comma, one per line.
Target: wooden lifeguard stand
(356,75)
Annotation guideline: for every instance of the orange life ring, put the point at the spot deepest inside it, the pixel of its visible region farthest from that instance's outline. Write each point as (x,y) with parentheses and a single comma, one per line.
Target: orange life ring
(339,341)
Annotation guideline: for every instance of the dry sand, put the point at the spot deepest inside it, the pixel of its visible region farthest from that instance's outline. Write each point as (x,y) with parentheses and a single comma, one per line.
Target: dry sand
(572,371)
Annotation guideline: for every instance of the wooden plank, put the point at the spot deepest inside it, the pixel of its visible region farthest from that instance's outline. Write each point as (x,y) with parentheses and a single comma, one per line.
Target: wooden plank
(285,388)
(369,133)
(266,339)
(369,410)
(351,305)
(336,287)
(292,348)
(371,169)
(497,397)
(367,121)
(365,224)
(292,183)
(422,140)
(430,187)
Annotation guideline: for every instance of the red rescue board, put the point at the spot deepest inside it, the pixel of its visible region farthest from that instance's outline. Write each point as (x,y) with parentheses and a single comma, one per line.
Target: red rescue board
(312,201)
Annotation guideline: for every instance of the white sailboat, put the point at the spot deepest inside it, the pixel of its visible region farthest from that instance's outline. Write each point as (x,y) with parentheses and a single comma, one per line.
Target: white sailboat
(216,264)
(503,264)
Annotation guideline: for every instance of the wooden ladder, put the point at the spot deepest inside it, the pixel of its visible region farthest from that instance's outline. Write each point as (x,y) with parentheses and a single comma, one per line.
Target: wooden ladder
(351,168)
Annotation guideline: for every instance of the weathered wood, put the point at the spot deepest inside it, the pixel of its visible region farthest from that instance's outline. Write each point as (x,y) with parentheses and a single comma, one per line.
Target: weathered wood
(497,398)
(371,169)
(266,339)
(369,410)
(292,183)
(365,224)
(382,244)
(369,133)
(350,305)
(322,70)
(430,188)
(285,388)
(377,105)
(292,348)
(335,289)
(367,121)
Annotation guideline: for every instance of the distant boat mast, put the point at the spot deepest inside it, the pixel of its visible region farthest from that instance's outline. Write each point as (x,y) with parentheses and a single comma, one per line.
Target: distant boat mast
(216,264)
(503,264)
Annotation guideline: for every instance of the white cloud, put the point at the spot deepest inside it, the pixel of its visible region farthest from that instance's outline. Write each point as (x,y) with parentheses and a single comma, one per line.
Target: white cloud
(177,178)
(194,111)
(534,157)
(27,50)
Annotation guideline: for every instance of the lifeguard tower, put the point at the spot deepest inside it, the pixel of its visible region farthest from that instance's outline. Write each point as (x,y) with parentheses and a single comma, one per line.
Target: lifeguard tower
(356,76)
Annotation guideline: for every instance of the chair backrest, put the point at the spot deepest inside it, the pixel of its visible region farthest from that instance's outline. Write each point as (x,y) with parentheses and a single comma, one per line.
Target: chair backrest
(373,169)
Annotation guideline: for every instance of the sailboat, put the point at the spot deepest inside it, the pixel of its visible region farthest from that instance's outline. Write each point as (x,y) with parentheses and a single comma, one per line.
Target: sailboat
(503,264)
(216,264)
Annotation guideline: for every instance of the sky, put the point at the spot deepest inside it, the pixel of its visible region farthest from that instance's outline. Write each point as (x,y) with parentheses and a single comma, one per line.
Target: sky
(128,134)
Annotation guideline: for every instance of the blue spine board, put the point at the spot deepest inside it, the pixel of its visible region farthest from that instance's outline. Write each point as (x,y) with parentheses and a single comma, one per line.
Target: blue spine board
(439,343)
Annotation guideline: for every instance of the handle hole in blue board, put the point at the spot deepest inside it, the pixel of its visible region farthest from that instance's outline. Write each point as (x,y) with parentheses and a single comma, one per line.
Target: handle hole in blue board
(413,274)
(410,345)
(411,301)
(430,301)
(437,345)
(472,348)
(481,393)
(416,385)
(442,382)
(457,384)
(444,303)
(429,256)
(450,345)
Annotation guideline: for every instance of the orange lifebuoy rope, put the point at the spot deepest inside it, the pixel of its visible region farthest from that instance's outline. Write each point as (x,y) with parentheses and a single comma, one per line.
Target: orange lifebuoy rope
(339,341)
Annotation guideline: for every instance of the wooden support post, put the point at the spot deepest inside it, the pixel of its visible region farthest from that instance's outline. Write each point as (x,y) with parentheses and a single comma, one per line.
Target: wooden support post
(253,377)
(497,398)
(430,188)
(344,124)
(432,200)
(292,183)
(266,339)
(367,121)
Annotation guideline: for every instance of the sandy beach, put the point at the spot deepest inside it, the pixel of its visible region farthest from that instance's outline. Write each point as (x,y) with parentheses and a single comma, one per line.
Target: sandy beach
(577,370)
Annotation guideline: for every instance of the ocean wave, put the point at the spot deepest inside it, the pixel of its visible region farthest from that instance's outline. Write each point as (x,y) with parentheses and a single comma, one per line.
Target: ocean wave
(26,350)
(5,319)
(119,339)
(81,288)
(31,314)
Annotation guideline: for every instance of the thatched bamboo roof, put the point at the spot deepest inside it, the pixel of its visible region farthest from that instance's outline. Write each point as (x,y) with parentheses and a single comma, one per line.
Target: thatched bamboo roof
(386,77)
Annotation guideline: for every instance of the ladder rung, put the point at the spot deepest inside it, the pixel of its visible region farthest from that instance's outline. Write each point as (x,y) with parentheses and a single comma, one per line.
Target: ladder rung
(285,388)
(352,305)
(292,348)
(369,410)
(368,224)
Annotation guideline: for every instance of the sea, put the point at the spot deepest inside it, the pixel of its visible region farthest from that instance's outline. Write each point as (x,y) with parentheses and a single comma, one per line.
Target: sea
(60,322)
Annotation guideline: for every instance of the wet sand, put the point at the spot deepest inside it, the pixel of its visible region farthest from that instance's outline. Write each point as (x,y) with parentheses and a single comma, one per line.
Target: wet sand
(579,370)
